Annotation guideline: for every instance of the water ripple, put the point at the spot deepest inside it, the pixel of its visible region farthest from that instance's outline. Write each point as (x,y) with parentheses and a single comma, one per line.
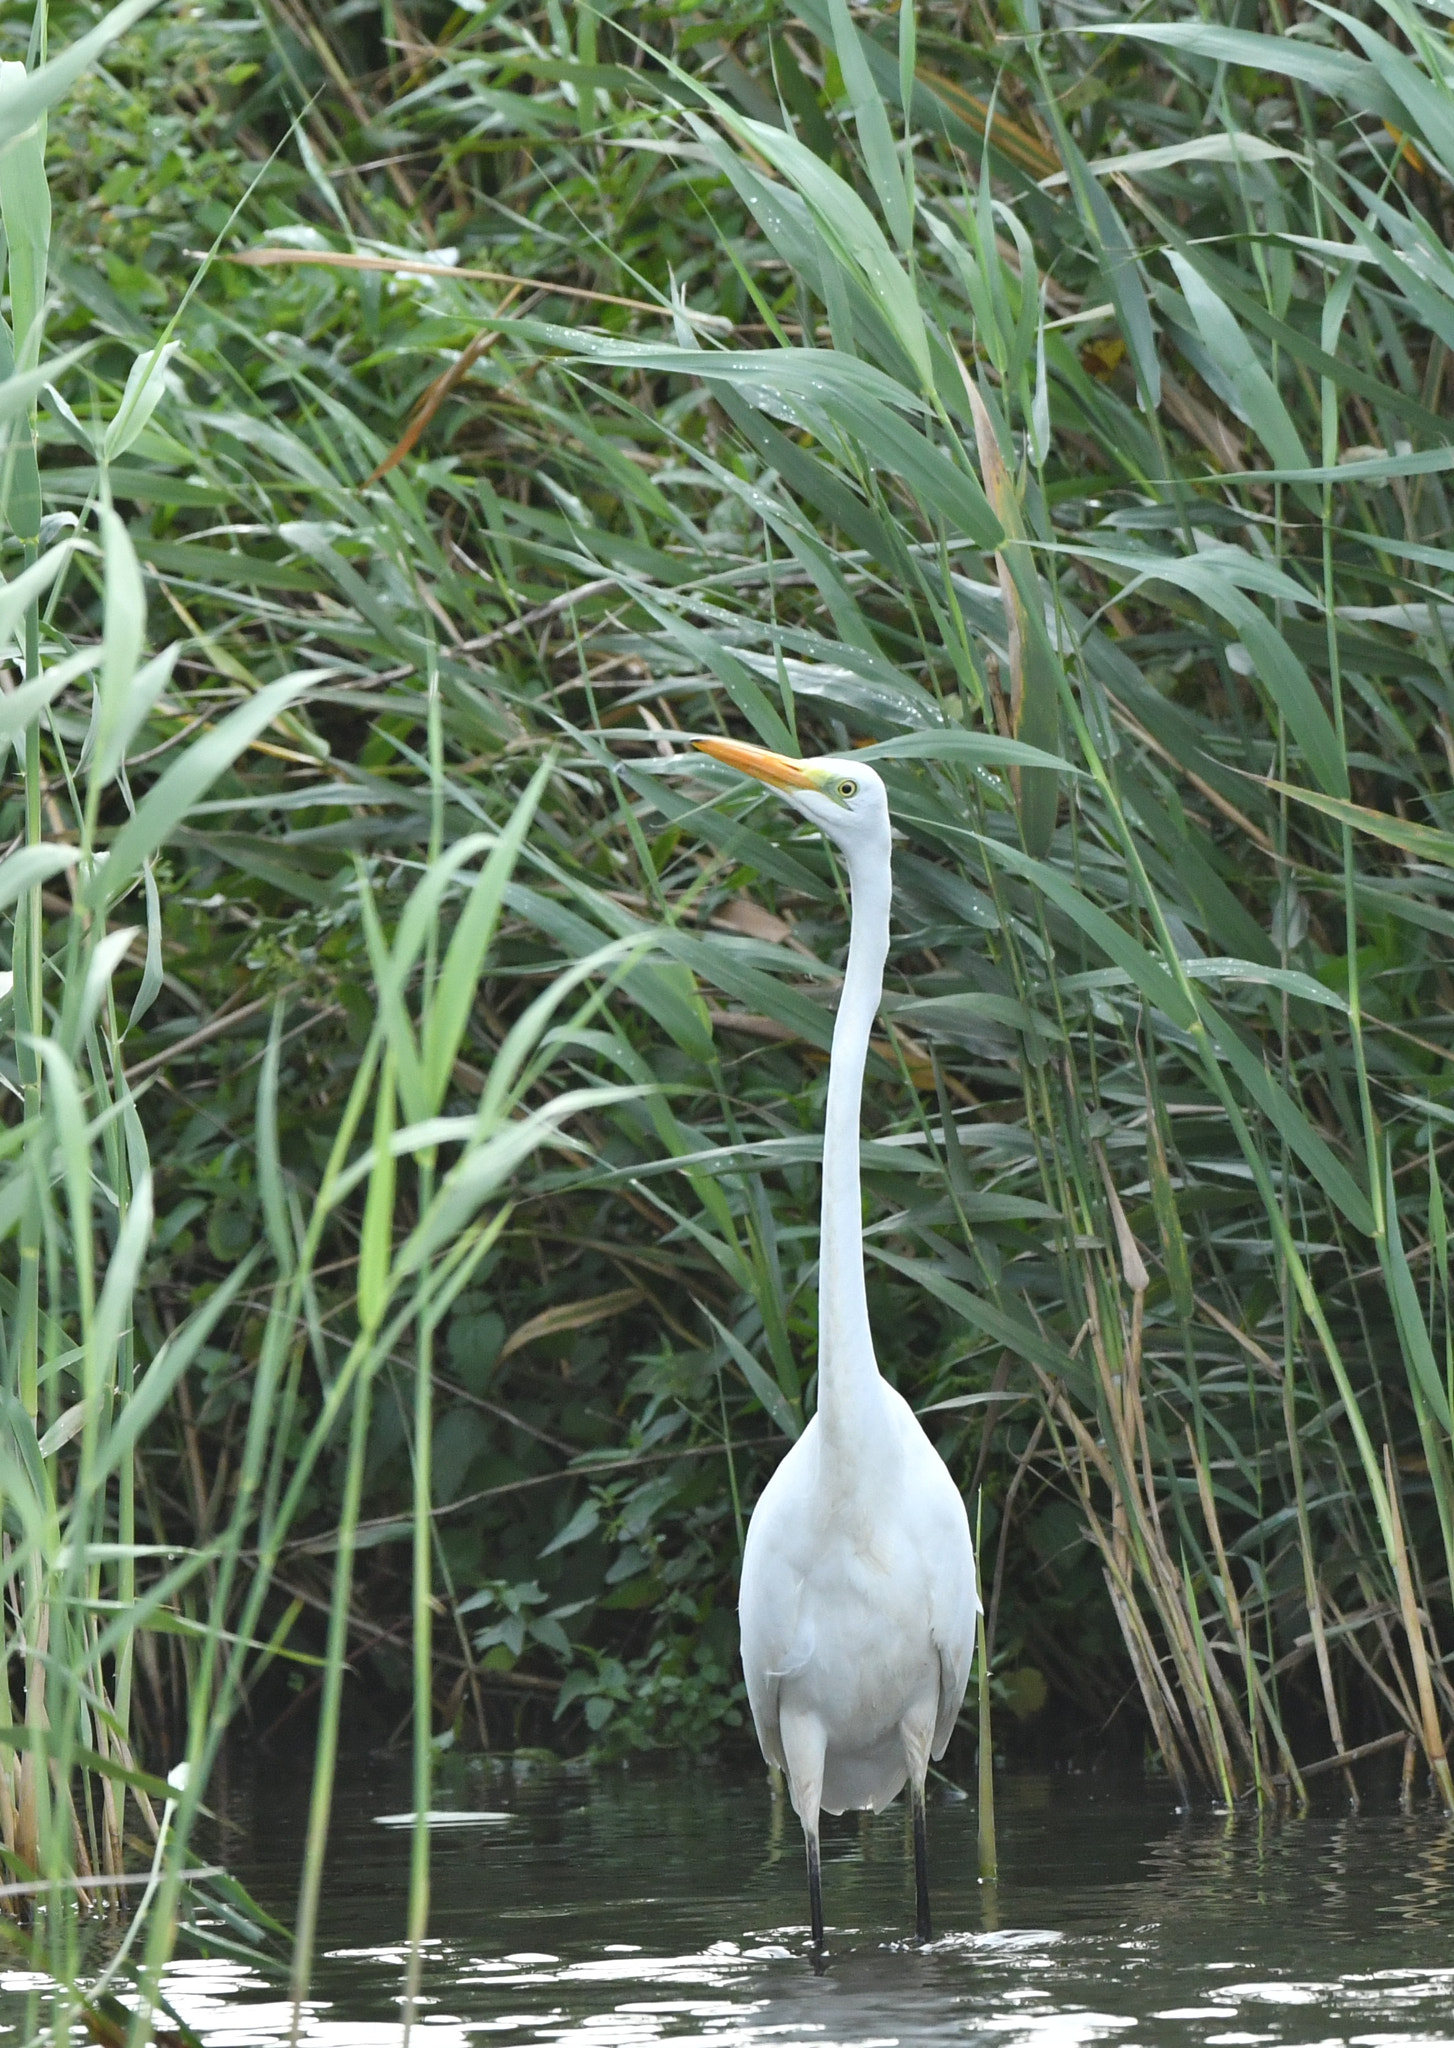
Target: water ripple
(630,1912)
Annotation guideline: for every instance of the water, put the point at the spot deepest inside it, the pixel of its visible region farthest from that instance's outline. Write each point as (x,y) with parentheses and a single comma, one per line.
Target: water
(631,1908)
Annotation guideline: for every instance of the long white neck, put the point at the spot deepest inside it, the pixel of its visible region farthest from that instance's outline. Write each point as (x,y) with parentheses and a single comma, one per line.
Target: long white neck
(848,1377)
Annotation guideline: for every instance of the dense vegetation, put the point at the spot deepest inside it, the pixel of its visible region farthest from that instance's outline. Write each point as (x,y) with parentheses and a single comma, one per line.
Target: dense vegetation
(410,1171)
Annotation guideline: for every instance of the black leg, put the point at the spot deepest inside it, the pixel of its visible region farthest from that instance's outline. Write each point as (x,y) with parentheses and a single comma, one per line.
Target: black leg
(921,1867)
(815,1891)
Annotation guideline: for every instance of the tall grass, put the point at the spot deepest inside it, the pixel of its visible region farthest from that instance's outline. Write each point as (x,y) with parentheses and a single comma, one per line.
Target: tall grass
(1175,878)
(83,1583)
(410,1176)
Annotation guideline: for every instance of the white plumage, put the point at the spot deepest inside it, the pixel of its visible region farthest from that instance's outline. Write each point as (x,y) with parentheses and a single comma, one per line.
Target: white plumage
(859,1596)
(858,1609)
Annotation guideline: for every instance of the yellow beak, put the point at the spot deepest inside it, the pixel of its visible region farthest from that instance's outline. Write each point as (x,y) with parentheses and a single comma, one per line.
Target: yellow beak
(774,769)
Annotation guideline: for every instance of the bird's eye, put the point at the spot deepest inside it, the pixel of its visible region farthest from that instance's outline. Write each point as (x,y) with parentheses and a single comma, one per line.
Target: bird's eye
(847,789)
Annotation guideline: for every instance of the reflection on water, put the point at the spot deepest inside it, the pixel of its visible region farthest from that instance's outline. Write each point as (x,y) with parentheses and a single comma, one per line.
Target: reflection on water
(633,1909)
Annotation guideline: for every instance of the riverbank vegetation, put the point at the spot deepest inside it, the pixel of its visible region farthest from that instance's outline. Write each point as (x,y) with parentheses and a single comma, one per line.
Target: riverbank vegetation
(420,417)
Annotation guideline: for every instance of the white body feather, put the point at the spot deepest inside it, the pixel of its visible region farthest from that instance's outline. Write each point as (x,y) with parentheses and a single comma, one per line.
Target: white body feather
(859,1594)
(858,1614)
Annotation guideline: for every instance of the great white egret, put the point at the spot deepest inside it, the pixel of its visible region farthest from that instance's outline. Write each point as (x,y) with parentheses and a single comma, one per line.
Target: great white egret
(859,1596)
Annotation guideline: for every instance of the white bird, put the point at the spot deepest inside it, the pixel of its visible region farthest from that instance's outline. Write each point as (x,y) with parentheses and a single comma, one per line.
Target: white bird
(859,1594)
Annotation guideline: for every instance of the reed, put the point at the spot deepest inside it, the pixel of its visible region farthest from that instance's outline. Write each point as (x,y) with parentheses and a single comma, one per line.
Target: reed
(1175,868)
(77,1197)
(408,1185)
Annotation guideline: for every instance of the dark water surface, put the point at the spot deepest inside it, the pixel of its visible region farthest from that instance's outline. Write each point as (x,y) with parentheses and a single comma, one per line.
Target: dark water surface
(634,1907)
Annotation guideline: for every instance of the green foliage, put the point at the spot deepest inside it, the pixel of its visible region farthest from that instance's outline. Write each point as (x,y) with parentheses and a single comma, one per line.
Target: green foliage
(409,1190)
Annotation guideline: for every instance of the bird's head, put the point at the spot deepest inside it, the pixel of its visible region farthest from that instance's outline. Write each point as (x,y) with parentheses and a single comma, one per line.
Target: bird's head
(846,800)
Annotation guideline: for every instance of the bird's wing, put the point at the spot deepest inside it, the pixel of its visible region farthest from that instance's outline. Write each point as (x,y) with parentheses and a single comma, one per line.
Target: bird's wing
(765,1684)
(954,1667)
(955,1607)
(764,1693)
(776,1636)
